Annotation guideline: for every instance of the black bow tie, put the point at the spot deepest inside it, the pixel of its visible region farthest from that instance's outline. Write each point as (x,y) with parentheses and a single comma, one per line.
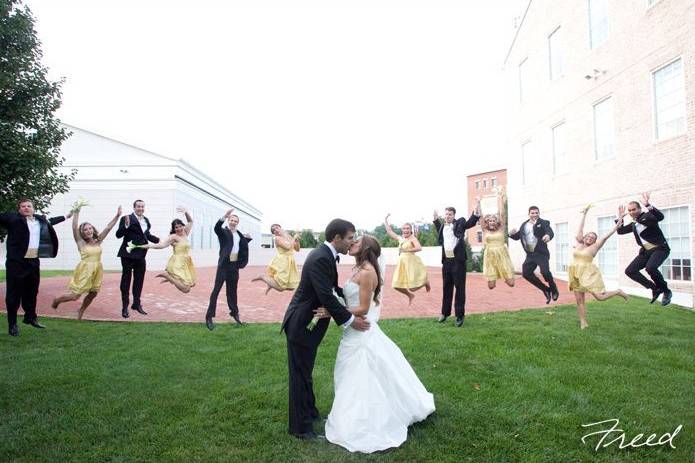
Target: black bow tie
(337,259)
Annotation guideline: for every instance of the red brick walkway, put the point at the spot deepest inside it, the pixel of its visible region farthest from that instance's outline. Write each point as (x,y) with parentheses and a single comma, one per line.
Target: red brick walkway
(164,303)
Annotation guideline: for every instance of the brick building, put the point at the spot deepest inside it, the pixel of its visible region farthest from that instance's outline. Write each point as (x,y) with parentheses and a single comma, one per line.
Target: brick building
(601,108)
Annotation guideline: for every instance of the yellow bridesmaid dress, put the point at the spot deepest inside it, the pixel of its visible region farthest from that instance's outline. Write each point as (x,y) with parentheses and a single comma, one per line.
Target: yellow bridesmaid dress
(89,272)
(180,264)
(410,271)
(283,269)
(496,261)
(583,275)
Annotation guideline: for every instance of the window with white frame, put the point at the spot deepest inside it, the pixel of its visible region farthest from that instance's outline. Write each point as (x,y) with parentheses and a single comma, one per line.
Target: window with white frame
(608,255)
(493,182)
(676,228)
(523,80)
(484,183)
(526,161)
(598,22)
(604,128)
(559,151)
(562,247)
(477,184)
(479,236)
(669,100)
(555,54)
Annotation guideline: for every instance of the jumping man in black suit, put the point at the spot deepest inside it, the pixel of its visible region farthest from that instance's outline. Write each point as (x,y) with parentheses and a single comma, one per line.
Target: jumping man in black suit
(29,237)
(318,287)
(535,234)
(654,248)
(134,228)
(234,255)
(450,238)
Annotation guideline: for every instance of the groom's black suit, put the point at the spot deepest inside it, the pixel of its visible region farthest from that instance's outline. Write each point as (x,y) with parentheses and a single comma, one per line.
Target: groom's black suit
(319,279)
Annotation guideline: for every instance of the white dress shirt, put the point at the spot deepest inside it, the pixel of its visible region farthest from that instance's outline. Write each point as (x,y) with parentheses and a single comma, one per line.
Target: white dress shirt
(450,240)
(34,235)
(531,239)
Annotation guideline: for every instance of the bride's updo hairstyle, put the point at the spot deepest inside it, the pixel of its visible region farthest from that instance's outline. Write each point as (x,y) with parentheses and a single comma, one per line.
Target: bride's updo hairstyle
(370,250)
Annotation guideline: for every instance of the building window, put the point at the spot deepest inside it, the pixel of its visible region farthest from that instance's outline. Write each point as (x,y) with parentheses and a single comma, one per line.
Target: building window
(651,2)
(493,182)
(523,80)
(559,150)
(562,247)
(598,22)
(480,236)
(202,235)
(603,129)
(608,255)
(676,228)
(669,100)
(477,184)
(525,161)
(555,56)
(210,233)
(484,183)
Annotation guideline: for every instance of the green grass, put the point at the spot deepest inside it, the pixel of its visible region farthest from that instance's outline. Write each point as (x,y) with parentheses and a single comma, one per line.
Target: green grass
(126,392)
(52,273)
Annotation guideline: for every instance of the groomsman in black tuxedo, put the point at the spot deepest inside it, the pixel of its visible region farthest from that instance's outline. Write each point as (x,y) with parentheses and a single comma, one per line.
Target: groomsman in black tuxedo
(318,287)
(234,255)
(654,248)
(29,237)
(535,234)
(454,261)
(134,228)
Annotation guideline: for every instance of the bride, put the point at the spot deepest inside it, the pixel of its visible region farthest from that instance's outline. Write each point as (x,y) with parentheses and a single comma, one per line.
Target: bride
(377,394)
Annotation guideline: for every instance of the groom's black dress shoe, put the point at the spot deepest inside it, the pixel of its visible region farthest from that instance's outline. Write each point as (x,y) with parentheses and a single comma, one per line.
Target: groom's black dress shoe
(311,435)
(442,318)
(34,323)
(236,319)
(656,292)
(209,323)
(124,313)
(459,322)
(555,293)
(139,310)
(548,295)
(14,331)
(666,300)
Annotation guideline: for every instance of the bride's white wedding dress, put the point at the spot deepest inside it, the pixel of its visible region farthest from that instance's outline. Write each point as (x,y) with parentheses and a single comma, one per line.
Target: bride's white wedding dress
(377,393)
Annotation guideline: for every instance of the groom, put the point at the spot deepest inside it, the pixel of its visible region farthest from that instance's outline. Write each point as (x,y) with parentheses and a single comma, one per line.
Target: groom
(317,288)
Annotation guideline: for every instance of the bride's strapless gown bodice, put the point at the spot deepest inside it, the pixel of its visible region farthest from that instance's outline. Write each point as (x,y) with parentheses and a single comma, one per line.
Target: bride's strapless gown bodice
(377,393)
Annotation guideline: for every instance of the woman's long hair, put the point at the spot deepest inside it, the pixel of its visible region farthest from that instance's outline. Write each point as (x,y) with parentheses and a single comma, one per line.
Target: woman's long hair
(95,232)
(370,250)
(174,223)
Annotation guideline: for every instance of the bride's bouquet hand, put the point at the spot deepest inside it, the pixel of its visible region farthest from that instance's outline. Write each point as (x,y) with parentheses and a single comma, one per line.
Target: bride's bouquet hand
(79,204)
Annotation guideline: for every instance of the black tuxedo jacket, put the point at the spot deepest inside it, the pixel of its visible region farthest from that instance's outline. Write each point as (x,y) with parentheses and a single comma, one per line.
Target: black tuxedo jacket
(541,229)
(460,227)
(18,235)
(652,233)
(134,233)
(226,239)
(319,279)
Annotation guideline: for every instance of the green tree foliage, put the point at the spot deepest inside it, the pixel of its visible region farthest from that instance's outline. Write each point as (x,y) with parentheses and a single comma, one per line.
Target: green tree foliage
(307,240)
(30,134)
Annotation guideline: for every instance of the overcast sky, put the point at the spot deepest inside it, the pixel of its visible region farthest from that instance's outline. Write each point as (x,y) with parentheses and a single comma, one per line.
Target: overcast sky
(311,111)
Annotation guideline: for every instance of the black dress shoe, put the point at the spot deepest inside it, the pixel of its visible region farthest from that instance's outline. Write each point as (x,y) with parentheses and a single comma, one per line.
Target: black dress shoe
(555,293)
(209,323)
(236,319)
(124,313)
(666,300)
(14,331)
(34,323)
(656,292)
(459,322)
(548,295)
(139,310)
(442,318)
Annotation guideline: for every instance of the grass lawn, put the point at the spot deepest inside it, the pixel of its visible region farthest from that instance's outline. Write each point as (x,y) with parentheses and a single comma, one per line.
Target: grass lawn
(508,387)
(52,273)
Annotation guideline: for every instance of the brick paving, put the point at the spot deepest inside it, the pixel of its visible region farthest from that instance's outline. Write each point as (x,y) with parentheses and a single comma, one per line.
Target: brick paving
(166,304)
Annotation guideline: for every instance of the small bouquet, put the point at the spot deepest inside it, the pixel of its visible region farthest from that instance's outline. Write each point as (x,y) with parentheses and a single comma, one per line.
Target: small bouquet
(130,246)
(316,318)
(79,204)
(586,208)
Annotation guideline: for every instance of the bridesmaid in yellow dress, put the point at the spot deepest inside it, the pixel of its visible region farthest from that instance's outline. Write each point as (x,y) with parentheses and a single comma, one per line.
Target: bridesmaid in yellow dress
(496,261)
(179,271)
(583,275)
(410,274)
(87,277)
(282,274)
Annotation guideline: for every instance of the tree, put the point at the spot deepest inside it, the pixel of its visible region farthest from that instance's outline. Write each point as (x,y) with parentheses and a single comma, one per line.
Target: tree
(306,239)
(30,134)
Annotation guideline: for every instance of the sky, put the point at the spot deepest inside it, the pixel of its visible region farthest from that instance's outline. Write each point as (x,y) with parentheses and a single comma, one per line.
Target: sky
(308,110)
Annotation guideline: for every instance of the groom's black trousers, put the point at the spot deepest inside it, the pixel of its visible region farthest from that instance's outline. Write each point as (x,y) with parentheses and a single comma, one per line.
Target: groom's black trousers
(454,277)
(302,410)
